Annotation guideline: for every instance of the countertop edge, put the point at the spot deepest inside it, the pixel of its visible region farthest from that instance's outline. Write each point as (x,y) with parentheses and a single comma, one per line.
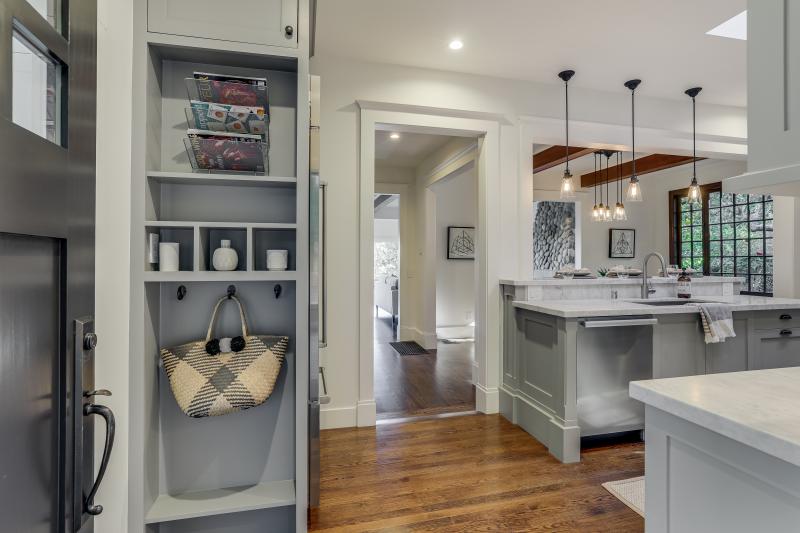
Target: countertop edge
(760,440)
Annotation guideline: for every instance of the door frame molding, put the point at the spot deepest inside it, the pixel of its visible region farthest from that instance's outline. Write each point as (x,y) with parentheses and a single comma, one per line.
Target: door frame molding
(487,305)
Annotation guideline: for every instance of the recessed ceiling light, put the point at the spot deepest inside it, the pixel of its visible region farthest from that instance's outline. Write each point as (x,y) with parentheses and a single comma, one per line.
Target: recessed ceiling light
(734,28)
(394,136)
(456,44)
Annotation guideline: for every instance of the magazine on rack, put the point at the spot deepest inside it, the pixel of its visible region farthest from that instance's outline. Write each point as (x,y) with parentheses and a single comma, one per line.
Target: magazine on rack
(216,150)
(234,90)
(225,117)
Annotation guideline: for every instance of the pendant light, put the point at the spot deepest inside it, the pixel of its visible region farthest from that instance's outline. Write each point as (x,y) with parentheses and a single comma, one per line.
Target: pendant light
(607,213)
(567,181)
(634,193)
(619,208)
(596,209)
(694,188)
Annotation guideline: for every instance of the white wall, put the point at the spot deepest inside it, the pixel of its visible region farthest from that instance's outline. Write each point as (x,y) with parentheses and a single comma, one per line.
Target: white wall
(112,246)
(456,205)
(387,230)
(345,82)
(649,218)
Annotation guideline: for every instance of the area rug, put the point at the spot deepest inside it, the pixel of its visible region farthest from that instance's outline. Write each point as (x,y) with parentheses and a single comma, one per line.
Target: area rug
(628,491)
(408,348)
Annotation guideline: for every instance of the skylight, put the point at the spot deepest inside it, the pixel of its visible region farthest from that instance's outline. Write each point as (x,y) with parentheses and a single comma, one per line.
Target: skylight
(734,28)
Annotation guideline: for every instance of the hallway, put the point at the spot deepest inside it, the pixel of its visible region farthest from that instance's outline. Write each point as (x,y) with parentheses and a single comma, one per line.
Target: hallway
(467,473)
(421,385)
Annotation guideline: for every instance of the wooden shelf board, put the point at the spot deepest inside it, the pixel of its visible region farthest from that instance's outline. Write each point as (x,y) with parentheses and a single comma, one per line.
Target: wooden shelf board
(220,225)
(220,178)
(267,495)
(235,275)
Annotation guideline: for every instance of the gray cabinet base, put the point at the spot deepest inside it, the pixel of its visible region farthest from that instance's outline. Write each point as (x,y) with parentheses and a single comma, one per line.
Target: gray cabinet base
(563,441)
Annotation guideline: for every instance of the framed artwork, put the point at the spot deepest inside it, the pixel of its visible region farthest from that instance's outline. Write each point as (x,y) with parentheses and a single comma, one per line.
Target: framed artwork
(621,243)
(460,242)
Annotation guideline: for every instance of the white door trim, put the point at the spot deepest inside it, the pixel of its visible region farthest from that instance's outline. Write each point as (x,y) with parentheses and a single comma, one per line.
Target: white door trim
(487,304)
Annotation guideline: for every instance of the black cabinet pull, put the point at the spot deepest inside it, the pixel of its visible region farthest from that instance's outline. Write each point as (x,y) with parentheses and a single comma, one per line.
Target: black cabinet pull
(91,409)
(785,332)
(786,317)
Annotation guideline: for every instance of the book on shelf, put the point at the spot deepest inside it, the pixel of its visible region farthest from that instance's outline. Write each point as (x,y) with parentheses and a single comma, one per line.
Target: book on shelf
(226,117)
(217,150)
(234,90)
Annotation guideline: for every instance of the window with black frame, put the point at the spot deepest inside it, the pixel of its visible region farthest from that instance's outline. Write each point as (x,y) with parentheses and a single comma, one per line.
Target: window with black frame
(724,234)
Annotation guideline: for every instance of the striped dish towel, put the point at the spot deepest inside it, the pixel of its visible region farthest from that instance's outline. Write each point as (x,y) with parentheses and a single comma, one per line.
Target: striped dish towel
(717,321)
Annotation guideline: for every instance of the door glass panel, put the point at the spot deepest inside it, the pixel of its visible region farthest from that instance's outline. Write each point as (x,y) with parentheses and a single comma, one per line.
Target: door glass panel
(48,9)
(36,91)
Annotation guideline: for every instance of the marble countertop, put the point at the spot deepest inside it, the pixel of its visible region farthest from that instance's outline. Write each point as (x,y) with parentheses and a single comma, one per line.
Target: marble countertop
(614,281)
(758,408)
(597,307)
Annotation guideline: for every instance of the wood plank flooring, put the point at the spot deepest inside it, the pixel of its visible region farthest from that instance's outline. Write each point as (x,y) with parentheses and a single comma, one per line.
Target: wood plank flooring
(467,474)
(420,385)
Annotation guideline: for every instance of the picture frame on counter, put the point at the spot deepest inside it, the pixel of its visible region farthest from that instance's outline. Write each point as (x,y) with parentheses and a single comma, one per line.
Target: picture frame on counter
(621,243)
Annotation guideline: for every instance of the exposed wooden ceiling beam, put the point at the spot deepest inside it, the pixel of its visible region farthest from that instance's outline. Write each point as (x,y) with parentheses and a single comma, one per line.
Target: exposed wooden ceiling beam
(556,155)
(644,165)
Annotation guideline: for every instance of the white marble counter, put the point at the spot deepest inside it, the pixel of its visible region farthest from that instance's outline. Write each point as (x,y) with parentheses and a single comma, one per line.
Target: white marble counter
(557,282)
(599,307)
(759,408)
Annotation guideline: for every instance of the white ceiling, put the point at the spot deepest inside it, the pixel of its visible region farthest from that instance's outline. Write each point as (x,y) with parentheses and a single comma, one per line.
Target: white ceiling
(662,42)
(409,150)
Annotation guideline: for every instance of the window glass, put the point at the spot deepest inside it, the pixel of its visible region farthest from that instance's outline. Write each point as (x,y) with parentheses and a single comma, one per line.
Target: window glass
(48,9)
(734,240)
(36,88)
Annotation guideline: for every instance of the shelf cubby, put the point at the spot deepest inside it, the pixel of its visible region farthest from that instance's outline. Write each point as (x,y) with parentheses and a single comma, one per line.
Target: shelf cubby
(183,234)
(264,239)
(209,240)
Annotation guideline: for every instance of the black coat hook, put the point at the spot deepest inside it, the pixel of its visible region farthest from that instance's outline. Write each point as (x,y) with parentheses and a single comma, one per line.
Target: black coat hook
(181,292)
(278,289)
(231,291)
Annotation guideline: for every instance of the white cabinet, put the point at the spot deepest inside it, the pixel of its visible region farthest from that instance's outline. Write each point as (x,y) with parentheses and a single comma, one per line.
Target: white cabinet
(773,99)
(264,22)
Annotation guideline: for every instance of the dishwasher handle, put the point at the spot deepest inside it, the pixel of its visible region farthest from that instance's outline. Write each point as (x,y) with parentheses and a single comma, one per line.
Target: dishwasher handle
(619,323)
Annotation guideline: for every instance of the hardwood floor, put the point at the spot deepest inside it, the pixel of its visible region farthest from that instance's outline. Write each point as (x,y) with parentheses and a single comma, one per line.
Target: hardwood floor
(466,474)
(419,385)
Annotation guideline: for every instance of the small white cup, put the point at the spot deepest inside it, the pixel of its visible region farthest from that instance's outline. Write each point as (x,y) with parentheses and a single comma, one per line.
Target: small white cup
(277,259)
(168,256)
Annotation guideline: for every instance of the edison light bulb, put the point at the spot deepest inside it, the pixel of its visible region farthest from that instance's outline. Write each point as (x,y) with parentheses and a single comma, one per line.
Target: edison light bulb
(634,192)
(567,185)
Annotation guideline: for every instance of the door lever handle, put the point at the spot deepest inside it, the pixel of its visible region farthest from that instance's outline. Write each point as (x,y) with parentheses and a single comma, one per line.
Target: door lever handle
(108,415)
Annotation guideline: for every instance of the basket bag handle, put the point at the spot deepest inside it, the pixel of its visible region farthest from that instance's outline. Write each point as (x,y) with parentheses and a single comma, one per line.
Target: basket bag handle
(242,316)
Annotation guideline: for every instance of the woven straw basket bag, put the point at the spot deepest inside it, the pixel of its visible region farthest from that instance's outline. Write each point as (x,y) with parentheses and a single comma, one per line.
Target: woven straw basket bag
(208,382)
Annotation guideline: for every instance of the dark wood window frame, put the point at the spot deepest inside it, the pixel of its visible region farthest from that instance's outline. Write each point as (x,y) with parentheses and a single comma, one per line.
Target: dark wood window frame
(675,249)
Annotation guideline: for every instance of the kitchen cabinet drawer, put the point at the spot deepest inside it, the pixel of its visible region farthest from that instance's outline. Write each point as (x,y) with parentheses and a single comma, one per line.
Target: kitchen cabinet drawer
(778,319)
(776,348)
(265,22)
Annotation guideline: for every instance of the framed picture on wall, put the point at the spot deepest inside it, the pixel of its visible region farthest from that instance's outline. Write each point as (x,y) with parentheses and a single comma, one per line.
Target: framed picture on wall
(621,243)
(460,242)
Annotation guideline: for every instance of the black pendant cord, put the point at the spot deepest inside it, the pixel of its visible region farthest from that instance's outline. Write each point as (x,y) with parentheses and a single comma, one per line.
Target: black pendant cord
(608,195)
(633,133)
(566,101)
(693,92)
(594,185)
(619,180)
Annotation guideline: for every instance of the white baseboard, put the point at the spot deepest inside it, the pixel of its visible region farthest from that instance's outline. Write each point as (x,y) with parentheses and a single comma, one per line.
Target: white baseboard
(426,340)
(366,413)
(337,417)
(487,400)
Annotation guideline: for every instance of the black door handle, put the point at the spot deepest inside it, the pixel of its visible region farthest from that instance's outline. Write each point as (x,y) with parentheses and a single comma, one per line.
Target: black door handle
(108,416)
(786,317)
(785,332)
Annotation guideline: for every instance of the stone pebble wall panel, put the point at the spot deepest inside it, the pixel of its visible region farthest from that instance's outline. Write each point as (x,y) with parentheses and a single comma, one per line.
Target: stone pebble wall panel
(553,235)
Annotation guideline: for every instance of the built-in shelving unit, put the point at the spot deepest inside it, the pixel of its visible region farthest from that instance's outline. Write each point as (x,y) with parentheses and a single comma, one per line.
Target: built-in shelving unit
(247,471)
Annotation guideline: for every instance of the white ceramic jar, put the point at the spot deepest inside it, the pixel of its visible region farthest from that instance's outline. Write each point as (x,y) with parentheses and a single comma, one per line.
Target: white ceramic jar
(277,259)
(225,257)
(168,256)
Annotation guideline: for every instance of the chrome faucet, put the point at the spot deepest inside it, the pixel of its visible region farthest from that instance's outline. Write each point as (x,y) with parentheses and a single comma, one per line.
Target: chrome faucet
(646,289)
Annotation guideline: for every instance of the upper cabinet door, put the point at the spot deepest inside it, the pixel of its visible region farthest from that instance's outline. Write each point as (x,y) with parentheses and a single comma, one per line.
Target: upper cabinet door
(265,22)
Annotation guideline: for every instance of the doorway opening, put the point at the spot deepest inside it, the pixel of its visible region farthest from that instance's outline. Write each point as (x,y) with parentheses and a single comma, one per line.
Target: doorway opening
(424,242)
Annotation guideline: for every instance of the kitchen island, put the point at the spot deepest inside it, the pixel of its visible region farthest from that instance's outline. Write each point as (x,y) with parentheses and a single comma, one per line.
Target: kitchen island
(723,452)
(567,363)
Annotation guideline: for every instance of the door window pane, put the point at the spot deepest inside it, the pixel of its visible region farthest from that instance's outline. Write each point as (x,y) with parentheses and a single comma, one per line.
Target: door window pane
(48,9)
(36,89)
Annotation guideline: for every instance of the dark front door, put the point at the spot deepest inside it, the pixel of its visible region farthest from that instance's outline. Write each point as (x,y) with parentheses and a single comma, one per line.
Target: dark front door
(47,189)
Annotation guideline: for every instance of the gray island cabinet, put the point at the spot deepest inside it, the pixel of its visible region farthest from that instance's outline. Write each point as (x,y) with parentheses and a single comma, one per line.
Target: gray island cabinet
(567,363)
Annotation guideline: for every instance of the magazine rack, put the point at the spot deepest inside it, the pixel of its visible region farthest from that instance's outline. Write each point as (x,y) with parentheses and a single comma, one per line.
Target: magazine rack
(226,92)
(227,155)
(228,121)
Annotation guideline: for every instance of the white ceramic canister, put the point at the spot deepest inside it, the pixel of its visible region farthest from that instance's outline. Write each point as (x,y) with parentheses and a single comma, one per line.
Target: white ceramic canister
(169,256)
(277,259)
(225,257)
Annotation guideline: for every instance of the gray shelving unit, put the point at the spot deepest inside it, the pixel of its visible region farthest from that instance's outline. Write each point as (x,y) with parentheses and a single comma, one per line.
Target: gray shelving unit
(244,472)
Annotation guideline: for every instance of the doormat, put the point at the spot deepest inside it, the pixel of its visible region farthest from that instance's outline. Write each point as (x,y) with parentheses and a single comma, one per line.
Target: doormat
(628,491)
(408,348)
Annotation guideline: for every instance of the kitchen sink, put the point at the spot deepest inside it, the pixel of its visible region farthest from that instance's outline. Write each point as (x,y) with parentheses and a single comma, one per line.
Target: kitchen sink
(667,301)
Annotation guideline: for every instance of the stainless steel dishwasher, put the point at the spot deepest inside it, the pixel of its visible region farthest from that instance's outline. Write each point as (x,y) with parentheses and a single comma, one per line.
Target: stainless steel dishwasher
(612,352)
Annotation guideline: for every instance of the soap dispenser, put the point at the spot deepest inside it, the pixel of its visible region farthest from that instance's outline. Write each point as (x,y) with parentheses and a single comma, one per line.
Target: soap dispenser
(225,257)
(684,285)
